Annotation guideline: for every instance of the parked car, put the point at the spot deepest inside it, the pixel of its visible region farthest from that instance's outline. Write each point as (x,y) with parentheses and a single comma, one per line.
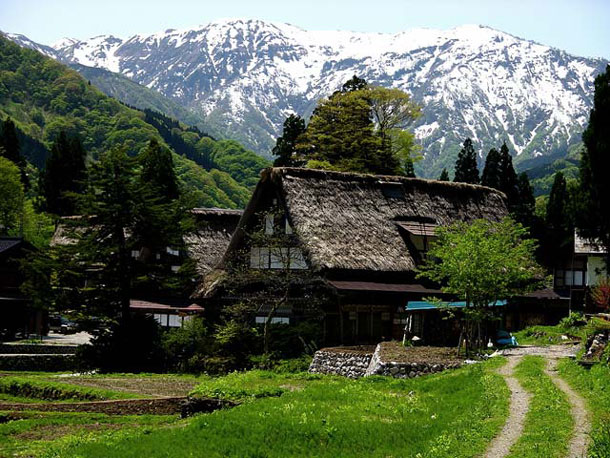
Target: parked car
(61,324)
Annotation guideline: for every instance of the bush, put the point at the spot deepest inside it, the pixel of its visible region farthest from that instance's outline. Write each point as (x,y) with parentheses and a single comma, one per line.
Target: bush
(134,346)
(575,319)
(295,340)
(292,366)
(186,348)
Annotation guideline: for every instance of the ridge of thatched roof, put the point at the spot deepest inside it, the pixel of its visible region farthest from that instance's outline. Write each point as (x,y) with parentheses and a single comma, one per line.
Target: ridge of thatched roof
(347,221)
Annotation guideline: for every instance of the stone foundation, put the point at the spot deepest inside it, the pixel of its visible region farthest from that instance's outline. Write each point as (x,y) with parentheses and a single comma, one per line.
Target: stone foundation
(341,361)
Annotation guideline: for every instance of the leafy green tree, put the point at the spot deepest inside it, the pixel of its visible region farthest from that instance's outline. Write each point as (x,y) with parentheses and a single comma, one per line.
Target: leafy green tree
(491,171)
(64,175)
(481,263)
(11,190)
(444,175)
(594,217)
(466,170)
(285,147)
(361,128)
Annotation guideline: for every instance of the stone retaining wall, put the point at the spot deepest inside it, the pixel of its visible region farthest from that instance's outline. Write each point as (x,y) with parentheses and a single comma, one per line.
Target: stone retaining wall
(339,361)
(355,364)
(37,349)
(29,362)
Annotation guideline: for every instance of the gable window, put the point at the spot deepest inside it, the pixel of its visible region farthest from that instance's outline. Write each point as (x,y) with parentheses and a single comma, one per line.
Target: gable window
(277,258)
(269,221)
(421,234)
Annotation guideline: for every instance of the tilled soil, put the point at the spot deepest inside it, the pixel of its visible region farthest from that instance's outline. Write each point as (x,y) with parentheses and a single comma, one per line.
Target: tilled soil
(157,406)
(147,386)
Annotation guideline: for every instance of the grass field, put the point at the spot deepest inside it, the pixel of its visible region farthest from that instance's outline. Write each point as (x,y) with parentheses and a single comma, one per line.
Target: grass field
(455,413)
(548,424)
(594,385)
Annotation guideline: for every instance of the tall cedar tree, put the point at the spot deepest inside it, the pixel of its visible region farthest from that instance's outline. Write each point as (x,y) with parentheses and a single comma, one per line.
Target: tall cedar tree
(508,177)
(466,170)
(285,147)
(64,175)
(159,223)
(525,207)
(444,175)
(110,208)
(594,217)
(491,171)
(409,169)
(10,148)
(556,205)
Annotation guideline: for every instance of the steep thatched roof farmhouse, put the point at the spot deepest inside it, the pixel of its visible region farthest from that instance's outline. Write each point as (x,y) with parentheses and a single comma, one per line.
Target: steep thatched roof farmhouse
(363,235)
(209,242)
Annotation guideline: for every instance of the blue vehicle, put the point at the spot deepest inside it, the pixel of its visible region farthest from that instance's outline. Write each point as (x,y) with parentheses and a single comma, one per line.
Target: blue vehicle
(506,339)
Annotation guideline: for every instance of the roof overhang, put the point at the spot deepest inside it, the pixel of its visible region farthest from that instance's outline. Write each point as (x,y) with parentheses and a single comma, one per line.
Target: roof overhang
(382,287)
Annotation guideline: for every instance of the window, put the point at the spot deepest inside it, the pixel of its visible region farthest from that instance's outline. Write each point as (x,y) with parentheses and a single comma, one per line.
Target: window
(297,260)
(288,227)
(277,258)
(269,223)
(135,253)
(274,320)
(172,251)
(569,277)
(175,269)
(174,321)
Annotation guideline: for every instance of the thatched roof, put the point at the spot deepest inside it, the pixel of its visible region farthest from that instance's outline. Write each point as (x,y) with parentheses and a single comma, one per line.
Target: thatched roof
(208,243)
(348,221)
(587,246)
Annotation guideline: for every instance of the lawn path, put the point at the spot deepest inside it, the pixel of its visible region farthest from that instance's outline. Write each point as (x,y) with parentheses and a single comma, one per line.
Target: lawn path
(582,426)
(519,401)
(519,405)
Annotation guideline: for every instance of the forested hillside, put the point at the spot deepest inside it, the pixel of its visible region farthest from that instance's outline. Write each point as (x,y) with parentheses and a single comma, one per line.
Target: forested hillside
(44,98)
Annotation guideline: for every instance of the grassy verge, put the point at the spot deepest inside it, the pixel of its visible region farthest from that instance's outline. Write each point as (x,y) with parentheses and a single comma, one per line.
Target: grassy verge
(550,335)
(450,414)
(594,385)
(548,424)
(28,433)
(31,388)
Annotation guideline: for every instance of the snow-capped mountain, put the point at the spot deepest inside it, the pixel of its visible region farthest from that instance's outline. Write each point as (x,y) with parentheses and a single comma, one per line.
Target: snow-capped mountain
(246,76)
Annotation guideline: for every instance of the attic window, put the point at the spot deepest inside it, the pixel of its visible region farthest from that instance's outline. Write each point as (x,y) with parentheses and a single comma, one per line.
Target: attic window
(392,190)
(420,234)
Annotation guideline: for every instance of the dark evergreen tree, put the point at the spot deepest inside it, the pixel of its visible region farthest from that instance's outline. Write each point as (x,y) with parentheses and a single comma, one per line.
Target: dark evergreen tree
(10,148)
(10,142)
(466,170)
(158,172)
(525,207)
(354,84)
(594,217)
(508,177)
(491,171)
(64,176)
(285,147)
(444,175)
(556,206)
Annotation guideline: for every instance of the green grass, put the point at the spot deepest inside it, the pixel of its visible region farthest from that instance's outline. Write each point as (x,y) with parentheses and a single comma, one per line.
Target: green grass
(548,424)
(244,386)
(550,335)
(594,385)
(26,388)
(451,414)
(28,435)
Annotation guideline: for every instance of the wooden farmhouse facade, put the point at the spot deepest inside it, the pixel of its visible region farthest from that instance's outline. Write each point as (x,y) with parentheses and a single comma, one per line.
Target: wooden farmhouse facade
(348,243)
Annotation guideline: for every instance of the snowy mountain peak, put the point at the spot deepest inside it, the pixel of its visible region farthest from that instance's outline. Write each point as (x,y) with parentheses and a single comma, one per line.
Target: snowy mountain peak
(244,76)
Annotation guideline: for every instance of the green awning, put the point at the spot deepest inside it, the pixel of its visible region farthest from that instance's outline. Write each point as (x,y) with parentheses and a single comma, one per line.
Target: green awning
(425,305)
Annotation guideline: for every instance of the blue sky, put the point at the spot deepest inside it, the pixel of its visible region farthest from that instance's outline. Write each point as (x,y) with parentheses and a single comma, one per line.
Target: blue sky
(580,27)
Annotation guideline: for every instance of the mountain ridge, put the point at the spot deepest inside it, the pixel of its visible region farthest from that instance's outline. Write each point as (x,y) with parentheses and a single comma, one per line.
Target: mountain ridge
(243,77)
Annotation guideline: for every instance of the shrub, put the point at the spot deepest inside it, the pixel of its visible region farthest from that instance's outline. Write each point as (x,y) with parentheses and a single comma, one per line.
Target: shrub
(186,348)
(575,319)
(134,346)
